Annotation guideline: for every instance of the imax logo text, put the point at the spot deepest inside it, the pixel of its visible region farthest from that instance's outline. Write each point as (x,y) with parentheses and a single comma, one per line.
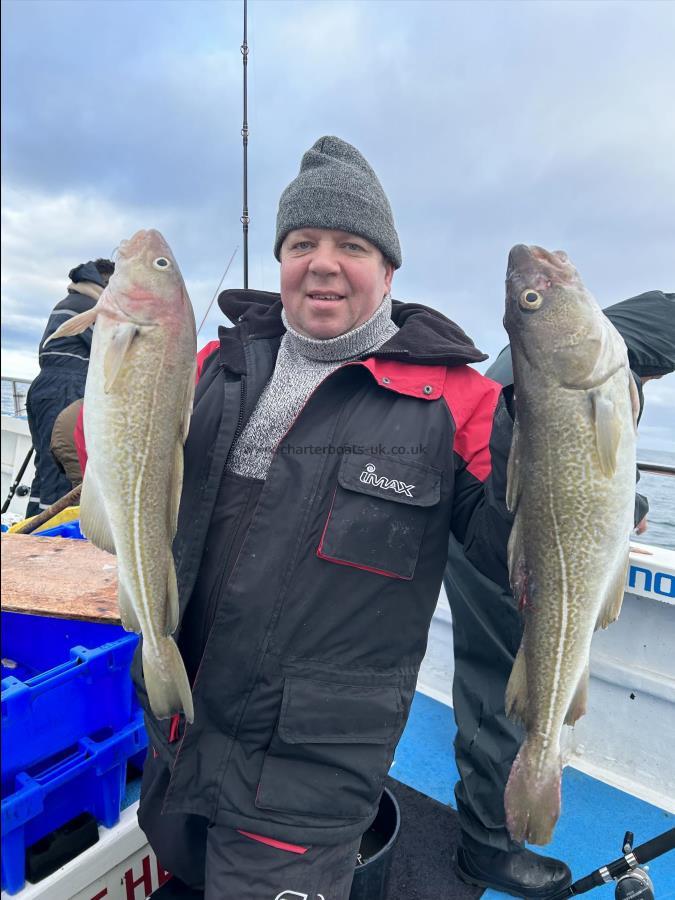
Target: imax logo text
(369,476)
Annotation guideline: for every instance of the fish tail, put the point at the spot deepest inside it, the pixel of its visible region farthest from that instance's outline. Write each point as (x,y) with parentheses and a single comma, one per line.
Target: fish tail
(166,680)
(532,797)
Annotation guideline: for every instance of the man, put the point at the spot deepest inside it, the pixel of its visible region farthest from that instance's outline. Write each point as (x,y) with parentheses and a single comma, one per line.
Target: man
(487,630)
(61,380)
(336,439)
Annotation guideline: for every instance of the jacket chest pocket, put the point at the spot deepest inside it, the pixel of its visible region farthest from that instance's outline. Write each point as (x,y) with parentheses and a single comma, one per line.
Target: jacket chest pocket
(332,749)
(378,515)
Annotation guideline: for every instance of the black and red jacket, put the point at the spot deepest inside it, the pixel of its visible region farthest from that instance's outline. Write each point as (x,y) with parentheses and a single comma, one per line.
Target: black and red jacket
(311,662)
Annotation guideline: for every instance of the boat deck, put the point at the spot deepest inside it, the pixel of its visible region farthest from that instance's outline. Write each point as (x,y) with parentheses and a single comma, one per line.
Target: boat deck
(594,818)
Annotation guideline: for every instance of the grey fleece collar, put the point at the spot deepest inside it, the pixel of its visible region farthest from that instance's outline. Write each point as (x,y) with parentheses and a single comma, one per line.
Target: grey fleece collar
(351,345)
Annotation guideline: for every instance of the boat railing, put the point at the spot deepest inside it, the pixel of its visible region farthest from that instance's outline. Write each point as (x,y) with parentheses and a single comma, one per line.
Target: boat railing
(656,468)
(14,393)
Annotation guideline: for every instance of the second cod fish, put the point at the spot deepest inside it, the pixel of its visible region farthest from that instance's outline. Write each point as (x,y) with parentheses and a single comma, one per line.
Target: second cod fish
(137,408)
(571,485)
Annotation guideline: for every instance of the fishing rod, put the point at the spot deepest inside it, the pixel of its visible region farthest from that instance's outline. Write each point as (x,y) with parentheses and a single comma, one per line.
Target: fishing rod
(633,883)
(244,136)
(227,269)
(17,481)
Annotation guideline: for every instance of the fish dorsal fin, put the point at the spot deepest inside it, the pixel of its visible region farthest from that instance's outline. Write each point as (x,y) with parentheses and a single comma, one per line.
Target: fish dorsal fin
(579,702)
(518,706)
(175,489)
(117,350)
(611,606)
(76,325)
(172,610)
(93,520)
(634,399)
(176,484)
(517,564)
(189,401)
(607,432)
(127,612)
(513,471)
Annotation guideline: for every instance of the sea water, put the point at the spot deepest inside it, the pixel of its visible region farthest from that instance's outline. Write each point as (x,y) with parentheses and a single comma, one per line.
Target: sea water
(660,491)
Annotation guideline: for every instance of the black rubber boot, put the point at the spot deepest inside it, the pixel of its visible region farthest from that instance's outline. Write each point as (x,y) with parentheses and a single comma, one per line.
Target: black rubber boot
(519,872)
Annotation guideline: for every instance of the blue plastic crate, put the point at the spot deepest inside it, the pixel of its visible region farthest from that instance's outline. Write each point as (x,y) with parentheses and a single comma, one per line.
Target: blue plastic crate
(87,777)
(62,680)
(66,529)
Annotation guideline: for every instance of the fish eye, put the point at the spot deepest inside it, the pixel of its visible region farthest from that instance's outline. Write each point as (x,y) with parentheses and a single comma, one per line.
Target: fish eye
(530,299)
(161,263)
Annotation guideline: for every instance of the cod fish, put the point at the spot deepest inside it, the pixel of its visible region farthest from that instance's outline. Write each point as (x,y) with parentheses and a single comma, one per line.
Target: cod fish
(571,486)
(137,408)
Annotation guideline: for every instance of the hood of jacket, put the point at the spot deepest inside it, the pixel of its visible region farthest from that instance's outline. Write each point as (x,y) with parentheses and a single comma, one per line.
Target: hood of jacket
(425,336)
(647,325)
(86,272)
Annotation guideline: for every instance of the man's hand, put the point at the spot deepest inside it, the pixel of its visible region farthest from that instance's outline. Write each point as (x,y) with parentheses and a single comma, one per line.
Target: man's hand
(641,526)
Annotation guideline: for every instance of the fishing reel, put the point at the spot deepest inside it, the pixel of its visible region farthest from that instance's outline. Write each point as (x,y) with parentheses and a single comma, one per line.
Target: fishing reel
(628,871)
(636,884)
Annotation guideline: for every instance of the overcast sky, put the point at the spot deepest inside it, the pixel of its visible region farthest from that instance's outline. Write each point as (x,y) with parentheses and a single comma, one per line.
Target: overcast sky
(489,124)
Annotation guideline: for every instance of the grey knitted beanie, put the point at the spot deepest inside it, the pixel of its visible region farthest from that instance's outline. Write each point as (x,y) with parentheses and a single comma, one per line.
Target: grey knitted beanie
(336,188)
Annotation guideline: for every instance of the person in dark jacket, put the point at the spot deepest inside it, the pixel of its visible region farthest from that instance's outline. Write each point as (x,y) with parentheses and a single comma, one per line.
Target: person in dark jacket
(337,438)
(61,380)
(487,631)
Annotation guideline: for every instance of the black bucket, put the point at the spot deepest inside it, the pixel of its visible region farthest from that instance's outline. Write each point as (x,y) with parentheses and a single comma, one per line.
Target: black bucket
(376,851)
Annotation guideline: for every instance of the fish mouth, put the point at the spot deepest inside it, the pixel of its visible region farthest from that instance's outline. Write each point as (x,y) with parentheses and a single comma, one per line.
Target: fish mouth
(539,267)
(141,239)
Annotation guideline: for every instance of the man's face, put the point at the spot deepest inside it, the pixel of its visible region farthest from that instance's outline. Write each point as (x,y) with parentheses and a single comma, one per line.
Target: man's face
(331,281)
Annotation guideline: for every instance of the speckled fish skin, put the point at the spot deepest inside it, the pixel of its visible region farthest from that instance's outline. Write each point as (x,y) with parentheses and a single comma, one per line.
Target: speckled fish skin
(571,485)
(137,407)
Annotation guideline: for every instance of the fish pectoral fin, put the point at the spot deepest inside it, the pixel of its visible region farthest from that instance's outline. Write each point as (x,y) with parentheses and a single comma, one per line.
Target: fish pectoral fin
(516,690)
(76,325)
(607,432)
(613,598)
(93,519)
(127,612)
(172,598)
(513,471)
(577,707)
(117,350)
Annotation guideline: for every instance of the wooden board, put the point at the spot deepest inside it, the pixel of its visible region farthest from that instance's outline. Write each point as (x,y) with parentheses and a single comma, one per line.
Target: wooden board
(59,577)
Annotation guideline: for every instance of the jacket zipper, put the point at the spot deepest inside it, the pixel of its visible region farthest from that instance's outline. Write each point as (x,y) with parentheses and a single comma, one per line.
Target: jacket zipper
(240,420)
